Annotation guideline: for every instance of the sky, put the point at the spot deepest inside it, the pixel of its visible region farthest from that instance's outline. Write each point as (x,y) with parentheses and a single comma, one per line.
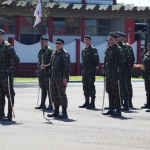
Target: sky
(135,2)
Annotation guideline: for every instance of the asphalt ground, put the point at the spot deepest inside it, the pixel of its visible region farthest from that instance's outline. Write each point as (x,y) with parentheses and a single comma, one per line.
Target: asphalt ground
(84,129)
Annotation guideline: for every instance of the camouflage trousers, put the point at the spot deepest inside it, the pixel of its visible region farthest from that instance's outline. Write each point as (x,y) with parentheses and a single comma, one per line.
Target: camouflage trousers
(112,88)
(128,82)
(147,87)
(44,85)
(88,85)
(58,91)
(4,92)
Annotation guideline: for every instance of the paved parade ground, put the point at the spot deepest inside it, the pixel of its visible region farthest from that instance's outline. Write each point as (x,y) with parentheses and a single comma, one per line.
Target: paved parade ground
(84,129)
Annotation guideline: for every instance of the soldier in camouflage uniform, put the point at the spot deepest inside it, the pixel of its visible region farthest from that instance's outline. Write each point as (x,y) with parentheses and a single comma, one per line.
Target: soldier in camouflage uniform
(44,56)
(60,70)
(146,76)
(90,60)
(113,66)
(8,61)
(128,69)
(127,56)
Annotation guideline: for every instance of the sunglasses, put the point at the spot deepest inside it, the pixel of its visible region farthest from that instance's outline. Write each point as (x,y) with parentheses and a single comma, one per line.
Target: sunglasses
(58,43)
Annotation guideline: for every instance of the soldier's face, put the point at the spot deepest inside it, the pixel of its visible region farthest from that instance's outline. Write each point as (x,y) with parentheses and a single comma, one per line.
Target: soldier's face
(118,39)
(87,41)
(59,45)
(2,37)
(111,40)
(124,39)
(44,43)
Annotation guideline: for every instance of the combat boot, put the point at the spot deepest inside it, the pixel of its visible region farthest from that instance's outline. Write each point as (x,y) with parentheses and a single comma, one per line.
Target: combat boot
(92,105)
(64,113)
(85,104)
(117,113)
(109,112)
(55,113)
(50,107)
(7,118)
(130,103)
(125,106)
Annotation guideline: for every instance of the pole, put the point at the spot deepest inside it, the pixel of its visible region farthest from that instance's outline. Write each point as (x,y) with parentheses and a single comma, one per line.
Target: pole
(104,94)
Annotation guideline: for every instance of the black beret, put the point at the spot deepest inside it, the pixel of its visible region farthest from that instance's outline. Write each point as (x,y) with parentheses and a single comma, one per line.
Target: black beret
(123,34)
(88,37)
(113,34)
(2,32)
(44,37)
(60,40)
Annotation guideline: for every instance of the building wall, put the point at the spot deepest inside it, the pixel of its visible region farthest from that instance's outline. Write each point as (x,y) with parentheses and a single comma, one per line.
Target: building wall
(118,24)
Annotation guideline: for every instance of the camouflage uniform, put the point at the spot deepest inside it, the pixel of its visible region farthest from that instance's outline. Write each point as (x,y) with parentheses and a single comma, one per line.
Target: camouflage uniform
(128,68)
(146,64)
(44,56)
(8,61)
(60,68)
(90,59)
(114,59)
(124,88)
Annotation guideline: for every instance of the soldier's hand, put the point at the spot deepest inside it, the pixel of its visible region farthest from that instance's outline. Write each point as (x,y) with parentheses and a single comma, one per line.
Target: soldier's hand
(43,66)
(65,81)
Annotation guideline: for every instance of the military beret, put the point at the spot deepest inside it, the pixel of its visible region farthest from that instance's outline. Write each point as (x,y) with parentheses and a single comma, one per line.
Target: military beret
(123,34)
(60,40)
(2,32)
(88,37)
(44,37)
(113,34)
(118,33)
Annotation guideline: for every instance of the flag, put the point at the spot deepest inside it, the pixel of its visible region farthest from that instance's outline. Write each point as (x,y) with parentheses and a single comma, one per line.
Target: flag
(129,37)
(38,13)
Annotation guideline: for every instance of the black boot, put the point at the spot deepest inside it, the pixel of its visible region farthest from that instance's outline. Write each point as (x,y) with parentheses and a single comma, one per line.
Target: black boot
(64,113)
(55,113)
(109,112)
(92,105)
(130,103)
(43,99)
(85,104)
(117,113)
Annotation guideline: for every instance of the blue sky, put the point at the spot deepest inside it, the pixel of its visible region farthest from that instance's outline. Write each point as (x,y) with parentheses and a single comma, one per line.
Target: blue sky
(135,2)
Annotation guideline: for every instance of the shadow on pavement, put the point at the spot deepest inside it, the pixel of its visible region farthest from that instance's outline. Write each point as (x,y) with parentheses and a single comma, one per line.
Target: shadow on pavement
(8,123)
(65,119)
(135,108)
(96,109)
(130,111)
(121,118)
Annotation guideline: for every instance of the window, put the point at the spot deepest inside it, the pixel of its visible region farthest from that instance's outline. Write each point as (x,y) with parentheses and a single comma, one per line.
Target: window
(97,27)
(68,26)
(26,26)
(7,24)
(140,26)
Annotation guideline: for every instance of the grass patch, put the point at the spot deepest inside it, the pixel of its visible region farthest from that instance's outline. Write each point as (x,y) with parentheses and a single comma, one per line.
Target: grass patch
(76,78)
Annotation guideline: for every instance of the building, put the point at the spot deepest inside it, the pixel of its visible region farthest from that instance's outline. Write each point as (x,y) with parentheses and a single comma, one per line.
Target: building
(72,19)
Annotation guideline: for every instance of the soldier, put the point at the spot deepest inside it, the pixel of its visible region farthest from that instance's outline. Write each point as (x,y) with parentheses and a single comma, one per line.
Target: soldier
(90,60)
(128,69)
(44,56)
(146,76)
(8,61)
(124,89)
(60,70)
(113,65)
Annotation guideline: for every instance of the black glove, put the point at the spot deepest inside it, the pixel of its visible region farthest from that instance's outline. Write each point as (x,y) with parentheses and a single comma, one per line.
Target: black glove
(8,72)
(103,72)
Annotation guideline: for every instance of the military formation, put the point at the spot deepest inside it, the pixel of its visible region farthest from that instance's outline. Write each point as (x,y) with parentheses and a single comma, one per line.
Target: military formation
(53,72)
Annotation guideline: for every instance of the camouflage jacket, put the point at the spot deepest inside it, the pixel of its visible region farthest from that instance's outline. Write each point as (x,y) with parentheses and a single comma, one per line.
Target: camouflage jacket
(146,62)
(132,57)
(127,54)
(90,59)
(8,57)
(114,58)
(60,64)
(44,56)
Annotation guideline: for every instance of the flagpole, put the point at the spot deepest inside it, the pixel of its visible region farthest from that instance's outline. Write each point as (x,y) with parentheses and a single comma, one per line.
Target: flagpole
(41,22)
